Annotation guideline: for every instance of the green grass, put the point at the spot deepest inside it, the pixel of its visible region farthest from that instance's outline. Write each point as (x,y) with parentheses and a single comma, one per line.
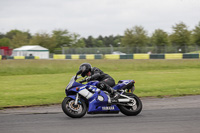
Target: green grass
(38,82)
(195,52)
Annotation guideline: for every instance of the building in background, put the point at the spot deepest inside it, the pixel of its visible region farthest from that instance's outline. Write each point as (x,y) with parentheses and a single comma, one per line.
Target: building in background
(32,50)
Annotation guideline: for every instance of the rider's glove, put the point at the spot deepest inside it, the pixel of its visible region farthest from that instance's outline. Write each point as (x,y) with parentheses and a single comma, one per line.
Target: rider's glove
(88,78)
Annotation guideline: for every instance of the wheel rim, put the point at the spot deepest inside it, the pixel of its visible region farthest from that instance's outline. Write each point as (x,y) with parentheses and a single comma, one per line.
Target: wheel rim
(74,109)
(134,106)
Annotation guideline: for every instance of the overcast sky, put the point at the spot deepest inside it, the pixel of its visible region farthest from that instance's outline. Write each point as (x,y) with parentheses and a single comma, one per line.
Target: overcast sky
(97,17)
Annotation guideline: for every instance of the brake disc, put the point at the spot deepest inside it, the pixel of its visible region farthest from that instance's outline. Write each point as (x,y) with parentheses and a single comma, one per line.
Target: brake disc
(74,107)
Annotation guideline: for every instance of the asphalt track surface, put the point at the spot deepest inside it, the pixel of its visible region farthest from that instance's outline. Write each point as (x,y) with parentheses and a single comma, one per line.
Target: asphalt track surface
(159,115)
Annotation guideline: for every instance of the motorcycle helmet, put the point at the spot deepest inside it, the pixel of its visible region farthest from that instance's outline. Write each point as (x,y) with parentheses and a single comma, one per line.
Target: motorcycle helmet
(85,68)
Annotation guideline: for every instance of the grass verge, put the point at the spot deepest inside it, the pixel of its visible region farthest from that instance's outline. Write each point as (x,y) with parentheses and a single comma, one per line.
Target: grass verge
(39,82)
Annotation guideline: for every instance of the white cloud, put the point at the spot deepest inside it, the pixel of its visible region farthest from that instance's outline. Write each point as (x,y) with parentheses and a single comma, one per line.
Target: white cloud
(96,17)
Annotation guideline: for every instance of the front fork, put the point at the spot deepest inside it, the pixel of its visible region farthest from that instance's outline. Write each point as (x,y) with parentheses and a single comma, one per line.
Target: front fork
(76,100)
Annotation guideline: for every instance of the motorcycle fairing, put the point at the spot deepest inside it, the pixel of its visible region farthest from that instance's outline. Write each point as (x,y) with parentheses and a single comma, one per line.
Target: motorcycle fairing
(72,88)
(72,96)
(122,83)
(100,105)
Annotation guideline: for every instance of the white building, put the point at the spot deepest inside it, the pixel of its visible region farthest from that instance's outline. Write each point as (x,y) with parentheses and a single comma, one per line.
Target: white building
(32,50)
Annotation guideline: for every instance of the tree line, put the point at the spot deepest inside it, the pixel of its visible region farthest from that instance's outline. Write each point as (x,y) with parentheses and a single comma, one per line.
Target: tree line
(136,36)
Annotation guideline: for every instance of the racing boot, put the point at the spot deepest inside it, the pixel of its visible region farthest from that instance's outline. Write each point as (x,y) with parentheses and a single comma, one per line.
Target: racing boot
(114,94)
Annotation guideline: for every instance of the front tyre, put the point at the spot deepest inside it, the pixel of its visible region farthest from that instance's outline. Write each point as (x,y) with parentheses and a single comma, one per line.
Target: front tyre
(131,110)
(74,111)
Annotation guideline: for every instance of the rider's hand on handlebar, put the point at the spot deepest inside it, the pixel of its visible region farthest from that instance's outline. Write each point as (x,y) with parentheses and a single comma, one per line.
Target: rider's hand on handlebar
(82,81)
(88,78)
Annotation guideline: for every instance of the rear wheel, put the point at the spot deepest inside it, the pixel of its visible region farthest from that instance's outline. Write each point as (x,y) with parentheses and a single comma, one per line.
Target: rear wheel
(72,110)
(131,110)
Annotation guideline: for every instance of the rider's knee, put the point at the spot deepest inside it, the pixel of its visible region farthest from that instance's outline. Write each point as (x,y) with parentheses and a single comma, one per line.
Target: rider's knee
(101,85)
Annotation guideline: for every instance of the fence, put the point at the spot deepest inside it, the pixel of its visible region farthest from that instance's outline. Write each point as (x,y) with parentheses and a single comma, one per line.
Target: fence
(18,57)
(127,56)
(111,56)
(131,50)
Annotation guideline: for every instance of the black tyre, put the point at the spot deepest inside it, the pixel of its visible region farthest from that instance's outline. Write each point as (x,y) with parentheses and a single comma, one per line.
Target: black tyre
(74,111)
(131,110)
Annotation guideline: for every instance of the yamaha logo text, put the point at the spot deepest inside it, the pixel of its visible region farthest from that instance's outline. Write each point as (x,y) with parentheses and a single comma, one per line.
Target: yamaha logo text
(108,108)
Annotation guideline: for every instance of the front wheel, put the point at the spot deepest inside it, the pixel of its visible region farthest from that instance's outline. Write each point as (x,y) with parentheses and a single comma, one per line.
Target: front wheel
(74,111)
(131,110)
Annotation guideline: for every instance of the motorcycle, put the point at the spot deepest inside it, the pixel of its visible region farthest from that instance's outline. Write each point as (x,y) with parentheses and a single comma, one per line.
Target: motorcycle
(82,98)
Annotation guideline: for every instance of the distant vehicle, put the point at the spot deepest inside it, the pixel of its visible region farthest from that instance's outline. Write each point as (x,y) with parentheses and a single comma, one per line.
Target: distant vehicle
(5,51)
(118,52)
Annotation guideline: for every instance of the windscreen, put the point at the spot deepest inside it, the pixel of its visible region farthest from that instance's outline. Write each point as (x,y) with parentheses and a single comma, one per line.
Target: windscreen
(70,83)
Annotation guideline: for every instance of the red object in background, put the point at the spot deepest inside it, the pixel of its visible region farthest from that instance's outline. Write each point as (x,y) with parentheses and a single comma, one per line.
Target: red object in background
(6,51)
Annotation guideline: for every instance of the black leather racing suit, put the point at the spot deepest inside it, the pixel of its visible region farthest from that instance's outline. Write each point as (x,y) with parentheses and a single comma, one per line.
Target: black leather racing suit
(106,81)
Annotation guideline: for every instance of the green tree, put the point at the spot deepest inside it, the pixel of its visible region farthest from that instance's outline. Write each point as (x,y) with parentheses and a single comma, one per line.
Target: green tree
(108,40)
(117,41)
(111,40)
(62,38)
(181,35)
(2,35)
(196,35)
(43,39)
(99,43)
(90,41)
(135,36)
(77,41)
(13,33)
(20,39)
(5,42)
(160,38)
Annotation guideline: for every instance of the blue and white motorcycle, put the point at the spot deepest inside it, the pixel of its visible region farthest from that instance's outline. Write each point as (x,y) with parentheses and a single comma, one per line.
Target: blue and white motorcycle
(82,98)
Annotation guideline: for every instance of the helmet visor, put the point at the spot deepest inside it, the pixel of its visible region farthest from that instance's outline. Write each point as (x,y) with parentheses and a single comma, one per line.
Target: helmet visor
(83,71)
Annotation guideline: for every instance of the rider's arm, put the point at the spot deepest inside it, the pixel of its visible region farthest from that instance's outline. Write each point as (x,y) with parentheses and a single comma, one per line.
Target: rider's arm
(96,74)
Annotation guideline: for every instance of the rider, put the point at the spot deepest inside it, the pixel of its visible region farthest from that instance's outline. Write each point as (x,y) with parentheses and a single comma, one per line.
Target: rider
(105,80)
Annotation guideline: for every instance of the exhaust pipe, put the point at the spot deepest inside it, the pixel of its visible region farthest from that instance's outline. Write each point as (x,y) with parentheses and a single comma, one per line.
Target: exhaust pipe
(123,100)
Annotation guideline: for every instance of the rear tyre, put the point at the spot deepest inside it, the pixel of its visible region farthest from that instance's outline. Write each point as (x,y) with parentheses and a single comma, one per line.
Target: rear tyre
(74,111)
(131,110)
